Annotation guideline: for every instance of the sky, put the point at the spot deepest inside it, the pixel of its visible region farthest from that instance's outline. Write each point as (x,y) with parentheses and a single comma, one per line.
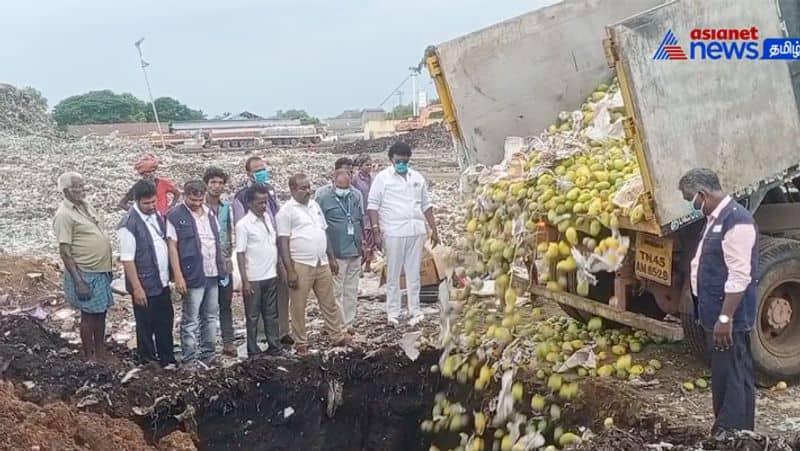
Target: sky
(234,55)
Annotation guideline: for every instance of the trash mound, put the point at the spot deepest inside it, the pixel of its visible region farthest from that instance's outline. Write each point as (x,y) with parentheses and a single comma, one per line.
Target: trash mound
(23,112)
(26,281)
(432,137)
(24,425)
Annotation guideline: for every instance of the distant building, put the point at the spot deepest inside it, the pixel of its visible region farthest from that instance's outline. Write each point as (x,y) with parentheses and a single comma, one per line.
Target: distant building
(352,122)
(126,129)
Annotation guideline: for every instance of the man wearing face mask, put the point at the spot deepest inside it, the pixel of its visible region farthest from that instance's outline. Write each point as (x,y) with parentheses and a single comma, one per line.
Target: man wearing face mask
(257,173)
(341,205)
(399,209)
(723,281)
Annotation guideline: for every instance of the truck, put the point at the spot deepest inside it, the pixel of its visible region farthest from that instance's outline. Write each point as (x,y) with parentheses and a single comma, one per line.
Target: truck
(734,115)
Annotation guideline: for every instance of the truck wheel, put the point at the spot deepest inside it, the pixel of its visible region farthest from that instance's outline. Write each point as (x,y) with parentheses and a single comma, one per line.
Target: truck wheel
(775,340)
(693,332)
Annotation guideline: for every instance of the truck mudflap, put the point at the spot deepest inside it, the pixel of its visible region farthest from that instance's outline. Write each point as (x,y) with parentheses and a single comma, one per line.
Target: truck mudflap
(671,331)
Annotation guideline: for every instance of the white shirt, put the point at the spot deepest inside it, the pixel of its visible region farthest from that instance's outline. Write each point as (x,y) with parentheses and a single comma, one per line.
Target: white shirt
(737,248)
(127,244)
(208,241)
(305,226)
(400,202)
(257,240)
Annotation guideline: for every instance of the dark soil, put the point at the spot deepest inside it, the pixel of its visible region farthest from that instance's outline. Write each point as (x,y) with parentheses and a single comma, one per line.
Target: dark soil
(383,396)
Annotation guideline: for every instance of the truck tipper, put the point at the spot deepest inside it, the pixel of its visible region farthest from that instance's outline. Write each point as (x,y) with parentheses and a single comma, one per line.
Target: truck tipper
(735,115)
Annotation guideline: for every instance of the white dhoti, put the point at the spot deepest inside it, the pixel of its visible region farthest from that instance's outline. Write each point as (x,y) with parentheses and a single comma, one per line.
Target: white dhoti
(403,254)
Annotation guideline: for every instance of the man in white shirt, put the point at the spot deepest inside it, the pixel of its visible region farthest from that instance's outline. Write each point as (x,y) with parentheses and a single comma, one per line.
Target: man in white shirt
(197,263)
(398,209)
(257,258)
(143,253)
(310,263)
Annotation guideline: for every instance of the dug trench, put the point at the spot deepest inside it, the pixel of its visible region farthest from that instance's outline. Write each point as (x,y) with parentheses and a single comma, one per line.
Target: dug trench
(343,401)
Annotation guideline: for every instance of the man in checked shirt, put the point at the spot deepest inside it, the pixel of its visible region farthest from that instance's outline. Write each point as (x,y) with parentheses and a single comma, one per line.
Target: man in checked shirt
(723,280)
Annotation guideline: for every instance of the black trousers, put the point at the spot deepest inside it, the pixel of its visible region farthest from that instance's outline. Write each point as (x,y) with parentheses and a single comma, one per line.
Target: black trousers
(733,384)
(225,314)
(263,304)
(155,322)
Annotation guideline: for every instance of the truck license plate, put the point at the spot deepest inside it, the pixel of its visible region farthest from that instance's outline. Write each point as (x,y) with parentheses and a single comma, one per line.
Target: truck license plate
(654,258)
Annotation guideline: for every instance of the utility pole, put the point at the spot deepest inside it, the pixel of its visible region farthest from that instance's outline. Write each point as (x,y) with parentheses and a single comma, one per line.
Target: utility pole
(144,65)
(414,73)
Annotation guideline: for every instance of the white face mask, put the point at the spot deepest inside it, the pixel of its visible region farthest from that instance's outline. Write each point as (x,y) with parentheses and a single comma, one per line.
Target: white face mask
(342,192)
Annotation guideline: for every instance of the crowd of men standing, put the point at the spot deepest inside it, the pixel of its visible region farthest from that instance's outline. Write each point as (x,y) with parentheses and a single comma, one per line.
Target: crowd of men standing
(317,241)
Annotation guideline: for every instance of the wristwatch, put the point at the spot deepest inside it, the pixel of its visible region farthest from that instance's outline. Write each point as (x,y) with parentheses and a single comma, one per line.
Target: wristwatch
(724,319)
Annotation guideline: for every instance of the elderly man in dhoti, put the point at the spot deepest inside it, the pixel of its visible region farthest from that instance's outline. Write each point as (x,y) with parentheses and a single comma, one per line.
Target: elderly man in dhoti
(86,252)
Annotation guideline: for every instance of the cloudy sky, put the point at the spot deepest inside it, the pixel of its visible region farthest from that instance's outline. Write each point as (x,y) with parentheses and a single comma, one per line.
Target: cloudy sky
(233,55)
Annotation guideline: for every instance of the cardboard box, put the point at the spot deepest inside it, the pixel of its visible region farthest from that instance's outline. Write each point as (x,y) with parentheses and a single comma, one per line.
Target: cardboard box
(429,271)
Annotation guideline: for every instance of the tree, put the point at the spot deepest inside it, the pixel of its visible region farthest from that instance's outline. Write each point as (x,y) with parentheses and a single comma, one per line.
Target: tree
(300,115)
(99,107)
(400,112)
(36,96)
(170,109)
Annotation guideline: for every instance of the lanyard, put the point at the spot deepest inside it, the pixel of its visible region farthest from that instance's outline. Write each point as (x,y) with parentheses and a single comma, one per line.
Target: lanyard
(348,210)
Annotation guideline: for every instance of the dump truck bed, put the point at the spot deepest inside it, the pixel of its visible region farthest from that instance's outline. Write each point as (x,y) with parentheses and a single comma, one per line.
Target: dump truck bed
(514,77)
(738,117)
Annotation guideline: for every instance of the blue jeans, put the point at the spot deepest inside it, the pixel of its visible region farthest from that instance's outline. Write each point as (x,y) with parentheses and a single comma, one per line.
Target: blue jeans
(199,321)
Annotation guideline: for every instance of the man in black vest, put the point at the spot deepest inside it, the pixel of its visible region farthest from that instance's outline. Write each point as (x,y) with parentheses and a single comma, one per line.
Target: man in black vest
(723,279)
(144,255)
(197,262)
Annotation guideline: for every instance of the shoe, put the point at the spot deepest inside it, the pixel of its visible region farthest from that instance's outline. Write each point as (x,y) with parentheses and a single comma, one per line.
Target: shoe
(229,349)
(275,352)
(287,340)
(416,319)
(346,340)
(393,321)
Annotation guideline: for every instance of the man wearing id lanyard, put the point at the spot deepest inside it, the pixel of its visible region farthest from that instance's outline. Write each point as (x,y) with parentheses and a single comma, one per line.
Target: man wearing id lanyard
(144,255)
(342,206)
(398,210)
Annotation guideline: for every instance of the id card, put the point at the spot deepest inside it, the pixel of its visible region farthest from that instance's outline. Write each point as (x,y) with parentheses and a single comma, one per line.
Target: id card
(350,229)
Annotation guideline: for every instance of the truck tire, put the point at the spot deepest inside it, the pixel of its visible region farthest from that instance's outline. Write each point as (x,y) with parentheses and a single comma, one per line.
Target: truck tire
(693,332)
(775,342)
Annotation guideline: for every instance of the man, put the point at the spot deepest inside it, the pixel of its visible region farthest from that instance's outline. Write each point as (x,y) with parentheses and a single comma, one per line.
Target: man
(723,282)
(144,255)
(86,252)
(216,179)
(342,206)
(309,262)
(362,181)
(257,257)
(398,209)
(197,263)
(146,166)
(341,163)
(257,173)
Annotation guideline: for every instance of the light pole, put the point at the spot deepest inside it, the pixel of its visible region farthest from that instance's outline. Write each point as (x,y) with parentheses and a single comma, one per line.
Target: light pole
(144,65)
(414,72)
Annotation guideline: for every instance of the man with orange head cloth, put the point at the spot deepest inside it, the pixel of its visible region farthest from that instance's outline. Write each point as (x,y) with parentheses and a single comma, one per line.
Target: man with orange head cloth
(146,166)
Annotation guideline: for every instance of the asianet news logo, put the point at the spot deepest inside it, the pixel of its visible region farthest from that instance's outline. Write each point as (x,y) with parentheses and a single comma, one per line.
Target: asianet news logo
(728,44)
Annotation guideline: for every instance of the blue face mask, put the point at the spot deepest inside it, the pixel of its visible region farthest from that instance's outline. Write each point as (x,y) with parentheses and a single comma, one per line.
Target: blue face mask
(401,167)
(342,192)
(261,176)
(693,208)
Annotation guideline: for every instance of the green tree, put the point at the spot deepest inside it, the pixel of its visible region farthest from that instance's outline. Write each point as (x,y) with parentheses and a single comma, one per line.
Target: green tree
(99,107)
(36,96)
(170,109)
(400,112)
(300,115)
